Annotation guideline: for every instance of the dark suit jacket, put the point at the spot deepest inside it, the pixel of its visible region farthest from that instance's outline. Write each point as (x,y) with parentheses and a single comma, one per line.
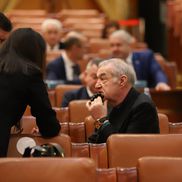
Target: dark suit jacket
(136,114)
(56,71)
(147,68)
(16,92)
(79,94)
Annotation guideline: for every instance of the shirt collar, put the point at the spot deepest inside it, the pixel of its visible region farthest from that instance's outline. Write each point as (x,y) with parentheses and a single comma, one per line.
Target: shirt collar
(90,94)
(129,59)
(67,59)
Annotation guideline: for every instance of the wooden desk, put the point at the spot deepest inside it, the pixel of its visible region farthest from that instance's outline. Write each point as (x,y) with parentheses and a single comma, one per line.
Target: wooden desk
(169,103)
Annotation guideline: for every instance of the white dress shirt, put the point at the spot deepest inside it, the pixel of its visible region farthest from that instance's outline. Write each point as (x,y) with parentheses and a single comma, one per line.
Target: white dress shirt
(68,66)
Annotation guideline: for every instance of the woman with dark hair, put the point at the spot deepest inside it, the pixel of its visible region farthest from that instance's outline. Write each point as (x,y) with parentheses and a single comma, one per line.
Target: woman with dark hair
(22,58)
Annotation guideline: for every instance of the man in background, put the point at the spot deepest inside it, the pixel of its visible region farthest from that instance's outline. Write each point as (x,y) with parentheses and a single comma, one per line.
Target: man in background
(87,91)
(51,31)
(66,67)
(143,62)
(5,27)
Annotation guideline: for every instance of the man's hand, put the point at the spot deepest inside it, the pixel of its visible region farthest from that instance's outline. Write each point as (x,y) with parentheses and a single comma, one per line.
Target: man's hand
(96,108)
(162,86)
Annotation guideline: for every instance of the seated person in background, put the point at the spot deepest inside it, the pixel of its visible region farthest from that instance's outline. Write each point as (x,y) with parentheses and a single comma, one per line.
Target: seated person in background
(51,31)
(86,92)
(65,67)
(109,28)
(21,83)
(132,112)
(144,63)
(5,27)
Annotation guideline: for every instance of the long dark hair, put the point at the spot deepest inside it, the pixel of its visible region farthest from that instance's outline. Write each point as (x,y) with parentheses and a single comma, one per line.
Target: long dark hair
(23,52)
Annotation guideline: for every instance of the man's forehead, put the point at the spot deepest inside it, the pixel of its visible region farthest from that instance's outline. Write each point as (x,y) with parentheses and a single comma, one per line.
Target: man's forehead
(104,70)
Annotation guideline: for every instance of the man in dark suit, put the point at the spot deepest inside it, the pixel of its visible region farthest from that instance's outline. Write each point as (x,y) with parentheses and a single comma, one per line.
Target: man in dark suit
(65,67)
(87,91)
(5,27)
(132,112)
(144,63)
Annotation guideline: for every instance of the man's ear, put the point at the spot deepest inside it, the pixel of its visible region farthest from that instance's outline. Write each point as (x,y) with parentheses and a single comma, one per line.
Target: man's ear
(123,80)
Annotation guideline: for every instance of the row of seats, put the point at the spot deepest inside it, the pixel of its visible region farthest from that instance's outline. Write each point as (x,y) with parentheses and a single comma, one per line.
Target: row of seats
(69,114)
(120,150)
(149,169)
(81,126)
(80,131)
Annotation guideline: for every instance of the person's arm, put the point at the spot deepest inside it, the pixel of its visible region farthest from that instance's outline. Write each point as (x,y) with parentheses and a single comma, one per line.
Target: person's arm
(143,119)
(158,75)
(98,111)
(41,108)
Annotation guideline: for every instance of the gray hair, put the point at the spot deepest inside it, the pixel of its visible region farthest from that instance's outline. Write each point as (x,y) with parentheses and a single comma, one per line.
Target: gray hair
(120,67)
(49,21)
(95,61)
(124,35)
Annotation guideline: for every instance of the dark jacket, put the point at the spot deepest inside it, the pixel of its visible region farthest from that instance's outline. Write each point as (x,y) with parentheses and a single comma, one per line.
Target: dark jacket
(78,94)
(136,114)
(16,92)
(147,68)
(56,71)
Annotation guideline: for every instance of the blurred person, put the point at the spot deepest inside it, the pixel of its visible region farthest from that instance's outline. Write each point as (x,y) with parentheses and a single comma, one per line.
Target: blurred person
(5,27)
(109,28)
(87,91)
(132,112)
(144,63)
(22,58)
(66,67)
(51,31)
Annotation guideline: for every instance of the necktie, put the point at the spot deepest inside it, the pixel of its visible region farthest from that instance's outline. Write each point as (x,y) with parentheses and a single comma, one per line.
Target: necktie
(76,71)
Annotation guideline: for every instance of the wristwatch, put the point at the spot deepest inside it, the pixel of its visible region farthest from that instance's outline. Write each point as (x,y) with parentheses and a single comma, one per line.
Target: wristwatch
(99,122)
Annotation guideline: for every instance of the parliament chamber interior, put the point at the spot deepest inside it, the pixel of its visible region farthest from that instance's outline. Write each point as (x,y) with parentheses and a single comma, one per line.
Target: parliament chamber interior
(154,25)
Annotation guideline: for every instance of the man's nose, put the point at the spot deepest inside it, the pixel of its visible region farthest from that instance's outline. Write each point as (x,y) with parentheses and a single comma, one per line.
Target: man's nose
(98,85)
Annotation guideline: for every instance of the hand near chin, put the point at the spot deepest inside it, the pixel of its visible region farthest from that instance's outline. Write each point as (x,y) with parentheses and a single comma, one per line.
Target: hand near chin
(97,108)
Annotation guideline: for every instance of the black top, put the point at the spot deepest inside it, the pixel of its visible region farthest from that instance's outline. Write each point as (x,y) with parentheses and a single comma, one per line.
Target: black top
(16,92)
(56,71)
(136,114)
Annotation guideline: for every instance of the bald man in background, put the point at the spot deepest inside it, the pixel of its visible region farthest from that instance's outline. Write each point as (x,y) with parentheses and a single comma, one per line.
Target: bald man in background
(51,31)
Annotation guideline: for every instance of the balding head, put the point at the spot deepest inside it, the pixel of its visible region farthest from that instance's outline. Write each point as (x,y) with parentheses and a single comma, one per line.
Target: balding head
(123,35)
(120,44)
(51,22)
(51,31)
(120,67)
